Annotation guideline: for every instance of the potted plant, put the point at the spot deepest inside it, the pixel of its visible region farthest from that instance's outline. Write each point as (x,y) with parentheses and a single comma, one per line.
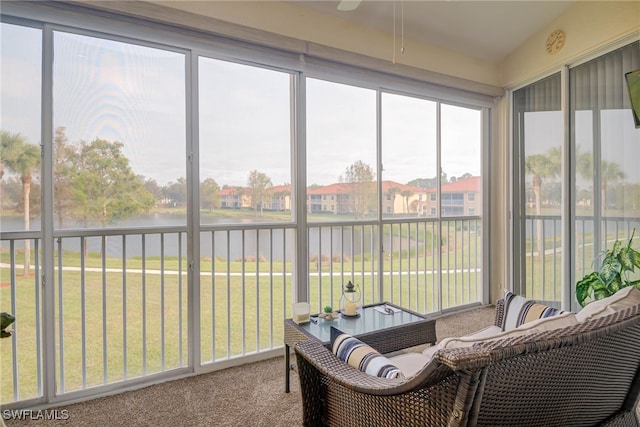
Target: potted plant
(5,320)
(614,273)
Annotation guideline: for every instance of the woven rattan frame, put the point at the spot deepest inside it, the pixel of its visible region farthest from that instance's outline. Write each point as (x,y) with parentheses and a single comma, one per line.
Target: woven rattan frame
(385,340)
(583,375)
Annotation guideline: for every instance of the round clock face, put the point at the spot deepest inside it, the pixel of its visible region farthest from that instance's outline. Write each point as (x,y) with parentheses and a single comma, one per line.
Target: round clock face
(555,41)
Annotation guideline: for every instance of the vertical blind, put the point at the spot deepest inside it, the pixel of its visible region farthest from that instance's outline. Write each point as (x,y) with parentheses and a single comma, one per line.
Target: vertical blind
(600,83)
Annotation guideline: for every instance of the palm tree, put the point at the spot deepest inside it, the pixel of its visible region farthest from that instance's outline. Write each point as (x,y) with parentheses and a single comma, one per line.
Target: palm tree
(609,171)
(542,166)
(406,194)
(392,195)
(21,158)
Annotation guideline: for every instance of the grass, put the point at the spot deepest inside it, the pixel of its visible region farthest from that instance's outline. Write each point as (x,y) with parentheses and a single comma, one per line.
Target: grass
(128,325)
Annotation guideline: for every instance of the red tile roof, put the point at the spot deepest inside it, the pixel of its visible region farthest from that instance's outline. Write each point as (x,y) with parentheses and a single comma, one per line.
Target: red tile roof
(232,191)
(342,188)
(386,185)
(280,189)
(463,185)
(467,185)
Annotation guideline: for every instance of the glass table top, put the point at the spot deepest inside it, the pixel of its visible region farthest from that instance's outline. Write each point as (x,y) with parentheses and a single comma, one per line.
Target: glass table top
(370,320)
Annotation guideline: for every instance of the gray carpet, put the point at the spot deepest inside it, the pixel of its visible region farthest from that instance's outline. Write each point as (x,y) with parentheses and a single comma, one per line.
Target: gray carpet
(248,395)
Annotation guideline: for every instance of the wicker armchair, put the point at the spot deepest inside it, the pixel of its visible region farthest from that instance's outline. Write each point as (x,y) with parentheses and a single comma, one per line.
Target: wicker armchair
(587,374)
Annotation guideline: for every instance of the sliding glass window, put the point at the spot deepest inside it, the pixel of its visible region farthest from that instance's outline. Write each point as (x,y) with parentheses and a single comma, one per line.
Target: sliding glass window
(601,201)
(606,147)
(20,209)
(461,205)
(245,143)
(119,143)
(538,140)
(173,233)
(119,115)
(341,152)
(409,158)
(247,237)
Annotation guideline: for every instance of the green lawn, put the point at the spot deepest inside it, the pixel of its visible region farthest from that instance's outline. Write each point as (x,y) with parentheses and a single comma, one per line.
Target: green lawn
(239,314)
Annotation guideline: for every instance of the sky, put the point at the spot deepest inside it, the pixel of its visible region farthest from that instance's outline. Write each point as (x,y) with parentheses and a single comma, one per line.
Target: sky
(136,95)
(620,140)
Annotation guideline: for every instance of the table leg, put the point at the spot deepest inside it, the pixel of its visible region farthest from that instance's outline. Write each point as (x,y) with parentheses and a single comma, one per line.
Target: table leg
(286,368)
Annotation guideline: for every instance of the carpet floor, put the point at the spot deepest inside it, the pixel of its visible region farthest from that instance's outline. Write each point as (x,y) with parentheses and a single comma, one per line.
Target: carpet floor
(247,395)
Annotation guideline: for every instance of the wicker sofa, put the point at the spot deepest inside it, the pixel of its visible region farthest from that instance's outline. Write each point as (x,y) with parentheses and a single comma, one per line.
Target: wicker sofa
(581,375)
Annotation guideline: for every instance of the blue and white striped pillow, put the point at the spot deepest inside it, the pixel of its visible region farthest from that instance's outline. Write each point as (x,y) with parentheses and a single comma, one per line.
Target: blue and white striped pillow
(519,310)
(361,356)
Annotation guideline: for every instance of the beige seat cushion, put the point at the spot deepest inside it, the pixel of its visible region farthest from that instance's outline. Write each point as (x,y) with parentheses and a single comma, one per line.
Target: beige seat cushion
(545,324)
(410,363)
(625,297)
(480,335)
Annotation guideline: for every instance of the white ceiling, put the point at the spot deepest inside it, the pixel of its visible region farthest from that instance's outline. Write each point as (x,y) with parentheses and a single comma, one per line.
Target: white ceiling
(483,29)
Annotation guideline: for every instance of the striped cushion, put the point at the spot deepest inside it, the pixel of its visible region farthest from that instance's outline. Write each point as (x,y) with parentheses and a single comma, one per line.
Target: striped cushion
(518,310)
(361,356)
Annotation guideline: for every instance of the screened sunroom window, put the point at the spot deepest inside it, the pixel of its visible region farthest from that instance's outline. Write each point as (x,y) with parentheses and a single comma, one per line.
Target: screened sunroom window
(606,147)
(538,137)
(194,186)
(601,201)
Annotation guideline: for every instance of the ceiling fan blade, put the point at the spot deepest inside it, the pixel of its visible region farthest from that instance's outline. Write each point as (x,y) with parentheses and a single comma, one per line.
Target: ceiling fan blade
(347,5)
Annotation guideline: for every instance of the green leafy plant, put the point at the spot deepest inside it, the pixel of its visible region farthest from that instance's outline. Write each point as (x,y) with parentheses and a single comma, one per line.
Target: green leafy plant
(613,275)
(328,309)
(5,320)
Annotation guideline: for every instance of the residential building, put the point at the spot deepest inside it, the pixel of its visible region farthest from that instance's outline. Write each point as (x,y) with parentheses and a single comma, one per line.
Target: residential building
(235,198)
(459,198)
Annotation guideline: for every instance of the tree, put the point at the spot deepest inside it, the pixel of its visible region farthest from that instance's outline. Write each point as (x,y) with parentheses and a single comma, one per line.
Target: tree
(177,191)
(258,183)
(238,193)
(209,197)
(392,192)
(406,194)
(64,163)
(152,187)
(361,178)
(542,166)
(11,193)
(23,159)
(609,172)
(427,183)
(106,189)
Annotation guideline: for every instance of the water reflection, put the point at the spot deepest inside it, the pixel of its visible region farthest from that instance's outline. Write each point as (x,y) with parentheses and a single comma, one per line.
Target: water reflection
(339,243)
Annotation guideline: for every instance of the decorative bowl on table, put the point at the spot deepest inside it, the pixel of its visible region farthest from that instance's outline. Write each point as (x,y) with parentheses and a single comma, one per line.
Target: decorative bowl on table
(329,316)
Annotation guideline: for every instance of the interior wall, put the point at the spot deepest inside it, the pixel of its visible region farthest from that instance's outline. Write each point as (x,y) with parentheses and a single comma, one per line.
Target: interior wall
(588,26)
(302,23)
(500,219)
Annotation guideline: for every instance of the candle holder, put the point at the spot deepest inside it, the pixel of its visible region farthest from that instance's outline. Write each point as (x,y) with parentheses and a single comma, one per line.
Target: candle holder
(301,312)
(350,300)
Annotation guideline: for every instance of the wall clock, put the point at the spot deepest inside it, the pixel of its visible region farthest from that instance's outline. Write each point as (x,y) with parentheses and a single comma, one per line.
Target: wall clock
(555,41)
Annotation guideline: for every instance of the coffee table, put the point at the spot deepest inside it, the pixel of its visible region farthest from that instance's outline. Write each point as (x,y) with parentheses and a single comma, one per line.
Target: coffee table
(384,332)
